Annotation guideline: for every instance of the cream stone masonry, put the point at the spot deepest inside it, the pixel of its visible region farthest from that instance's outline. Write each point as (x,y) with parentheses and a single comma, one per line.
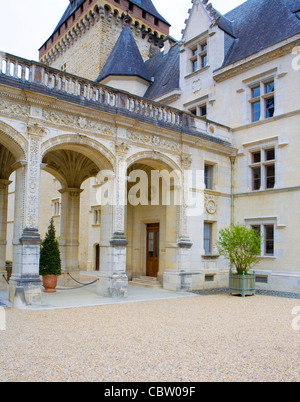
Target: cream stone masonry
(75,129)
(227,93)
(85,47)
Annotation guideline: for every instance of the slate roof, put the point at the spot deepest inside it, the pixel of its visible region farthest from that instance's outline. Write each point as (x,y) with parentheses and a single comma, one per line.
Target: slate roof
(146,5)
(164,68)
(125,59)
(258,24)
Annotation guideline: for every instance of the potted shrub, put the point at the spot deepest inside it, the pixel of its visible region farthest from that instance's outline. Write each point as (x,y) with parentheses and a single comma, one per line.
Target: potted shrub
(242,247)
(50,262)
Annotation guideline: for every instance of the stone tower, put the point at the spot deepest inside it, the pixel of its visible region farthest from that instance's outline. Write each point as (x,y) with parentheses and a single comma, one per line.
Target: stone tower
(88,30)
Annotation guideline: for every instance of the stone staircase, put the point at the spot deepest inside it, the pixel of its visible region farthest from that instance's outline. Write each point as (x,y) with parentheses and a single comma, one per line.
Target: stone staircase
(147,282)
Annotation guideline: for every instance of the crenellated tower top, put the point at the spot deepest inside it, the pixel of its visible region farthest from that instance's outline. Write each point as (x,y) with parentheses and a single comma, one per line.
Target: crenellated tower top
(81,15)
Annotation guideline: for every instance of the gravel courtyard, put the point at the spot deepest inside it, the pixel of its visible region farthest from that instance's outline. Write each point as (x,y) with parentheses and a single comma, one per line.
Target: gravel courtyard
(202,338)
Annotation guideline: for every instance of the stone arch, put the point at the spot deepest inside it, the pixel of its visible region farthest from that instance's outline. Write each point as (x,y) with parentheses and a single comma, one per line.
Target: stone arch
(88,146)
(14,141)
(73,159)
(154,156)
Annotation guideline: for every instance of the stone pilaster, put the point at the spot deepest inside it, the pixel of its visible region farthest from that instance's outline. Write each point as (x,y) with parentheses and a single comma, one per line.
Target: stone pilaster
(69,235)
(180,278)
(26,245)
(3,229)
(113,279)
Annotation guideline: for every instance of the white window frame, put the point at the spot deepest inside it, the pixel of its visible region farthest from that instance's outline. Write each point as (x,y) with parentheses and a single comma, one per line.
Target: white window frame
(264,221)
(200,53)
(263,164)
(97,218)
(262,98)
(56,207)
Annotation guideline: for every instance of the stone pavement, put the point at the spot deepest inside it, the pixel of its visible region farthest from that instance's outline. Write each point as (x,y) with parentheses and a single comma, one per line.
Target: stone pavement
(87,297)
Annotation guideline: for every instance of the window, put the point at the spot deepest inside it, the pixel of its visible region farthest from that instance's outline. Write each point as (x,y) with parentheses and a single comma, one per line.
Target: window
(97,216)
(263,169)
(207,238)
(267,231)
(200,111)
(208,176)
(263,100)
(199,58)
(55,207)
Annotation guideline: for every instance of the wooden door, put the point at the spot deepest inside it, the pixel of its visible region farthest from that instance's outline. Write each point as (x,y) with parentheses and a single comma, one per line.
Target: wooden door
(152,250)
(97,262)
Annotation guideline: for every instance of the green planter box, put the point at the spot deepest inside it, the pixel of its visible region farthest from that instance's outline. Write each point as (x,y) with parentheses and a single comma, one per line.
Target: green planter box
(243,285)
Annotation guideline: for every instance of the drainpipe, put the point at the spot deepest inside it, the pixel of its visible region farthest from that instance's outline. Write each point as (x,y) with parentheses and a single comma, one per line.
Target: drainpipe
(232,159)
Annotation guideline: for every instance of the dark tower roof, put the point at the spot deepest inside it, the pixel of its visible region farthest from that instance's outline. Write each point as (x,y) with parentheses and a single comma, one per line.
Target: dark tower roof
(125,59)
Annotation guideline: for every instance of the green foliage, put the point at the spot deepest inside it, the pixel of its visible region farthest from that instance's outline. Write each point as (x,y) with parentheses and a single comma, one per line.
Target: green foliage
(241,246)
(50,262)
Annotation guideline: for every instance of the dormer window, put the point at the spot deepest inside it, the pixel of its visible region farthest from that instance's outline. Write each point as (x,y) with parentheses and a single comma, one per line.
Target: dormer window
(199,58)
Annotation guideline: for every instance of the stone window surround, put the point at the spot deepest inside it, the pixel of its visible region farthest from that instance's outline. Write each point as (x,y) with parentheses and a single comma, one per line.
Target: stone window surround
(261,81)
(247,150)
(56,207)
(197,43)
(265,221)
(96,219)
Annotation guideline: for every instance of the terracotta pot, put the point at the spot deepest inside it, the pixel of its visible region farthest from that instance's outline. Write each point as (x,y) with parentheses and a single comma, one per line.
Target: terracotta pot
(50,283)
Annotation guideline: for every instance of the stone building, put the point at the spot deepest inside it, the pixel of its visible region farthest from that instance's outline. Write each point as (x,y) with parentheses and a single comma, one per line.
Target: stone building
(115,100)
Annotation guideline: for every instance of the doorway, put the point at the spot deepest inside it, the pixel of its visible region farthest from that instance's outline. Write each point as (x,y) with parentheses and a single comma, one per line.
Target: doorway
(152,260)
(97,258)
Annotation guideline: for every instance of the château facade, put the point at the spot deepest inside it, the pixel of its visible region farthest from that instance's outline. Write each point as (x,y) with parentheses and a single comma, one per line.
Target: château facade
(114,94)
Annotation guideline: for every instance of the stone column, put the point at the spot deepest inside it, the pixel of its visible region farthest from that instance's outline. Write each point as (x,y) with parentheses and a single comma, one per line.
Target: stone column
(69,232)
(113,279)
(180,278)
(26,245)
(4,184)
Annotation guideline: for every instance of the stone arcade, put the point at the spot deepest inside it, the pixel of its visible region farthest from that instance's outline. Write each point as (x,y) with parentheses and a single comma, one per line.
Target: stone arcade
(105,98)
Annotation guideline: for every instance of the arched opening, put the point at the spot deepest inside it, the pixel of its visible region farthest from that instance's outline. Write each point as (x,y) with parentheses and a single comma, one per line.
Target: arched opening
(10,154)
(69,183)
(153,199)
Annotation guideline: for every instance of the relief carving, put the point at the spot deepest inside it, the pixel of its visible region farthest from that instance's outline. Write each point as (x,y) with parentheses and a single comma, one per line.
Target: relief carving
(211,204)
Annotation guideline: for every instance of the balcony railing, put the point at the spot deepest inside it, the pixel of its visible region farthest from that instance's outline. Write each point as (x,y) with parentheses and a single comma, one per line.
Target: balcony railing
(40,76)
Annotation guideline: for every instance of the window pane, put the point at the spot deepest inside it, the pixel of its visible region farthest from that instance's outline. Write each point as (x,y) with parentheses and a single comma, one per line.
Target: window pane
(270,176)
(269,87)
(270,154)
(204,61)
(270,107)
(255,92)
(208,177)
(151,244)
(195,65)
(256,157)
(269,240)
(257,229)
(256,178)
(256,111)
(157,245)
(204,47)
(203,110)
(195,52)
(208,238)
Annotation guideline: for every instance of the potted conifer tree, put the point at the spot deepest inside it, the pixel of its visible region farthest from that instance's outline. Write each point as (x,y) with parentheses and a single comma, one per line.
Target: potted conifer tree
(242,247)
(50,262)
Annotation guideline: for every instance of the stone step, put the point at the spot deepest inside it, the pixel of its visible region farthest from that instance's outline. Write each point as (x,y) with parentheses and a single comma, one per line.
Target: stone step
(146,281)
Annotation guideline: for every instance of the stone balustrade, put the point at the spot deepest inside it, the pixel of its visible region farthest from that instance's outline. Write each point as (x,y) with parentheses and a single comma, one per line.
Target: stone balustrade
(17,71)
